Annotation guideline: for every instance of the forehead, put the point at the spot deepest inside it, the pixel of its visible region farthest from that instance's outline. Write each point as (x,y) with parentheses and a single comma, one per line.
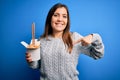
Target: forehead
(61,10)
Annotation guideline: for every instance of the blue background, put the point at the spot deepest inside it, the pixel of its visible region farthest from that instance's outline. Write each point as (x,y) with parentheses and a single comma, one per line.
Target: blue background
(87,16)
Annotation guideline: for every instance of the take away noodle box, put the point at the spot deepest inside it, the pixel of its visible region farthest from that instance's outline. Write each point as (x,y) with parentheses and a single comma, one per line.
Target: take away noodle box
(34,50)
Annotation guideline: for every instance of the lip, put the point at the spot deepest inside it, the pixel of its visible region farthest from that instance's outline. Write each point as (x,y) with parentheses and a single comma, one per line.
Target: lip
(59,23)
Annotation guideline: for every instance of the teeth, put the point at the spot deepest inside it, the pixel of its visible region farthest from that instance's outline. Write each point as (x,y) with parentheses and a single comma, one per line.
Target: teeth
(59,24)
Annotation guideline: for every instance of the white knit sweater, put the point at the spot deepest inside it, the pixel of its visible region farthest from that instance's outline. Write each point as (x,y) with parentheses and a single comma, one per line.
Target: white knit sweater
(57,64)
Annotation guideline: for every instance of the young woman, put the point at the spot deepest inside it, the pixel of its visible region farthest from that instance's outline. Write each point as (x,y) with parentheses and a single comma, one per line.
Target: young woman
(60,48)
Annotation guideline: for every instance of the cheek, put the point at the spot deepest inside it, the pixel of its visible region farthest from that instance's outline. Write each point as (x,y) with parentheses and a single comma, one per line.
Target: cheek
(53,20)
(66,21)
(52,23)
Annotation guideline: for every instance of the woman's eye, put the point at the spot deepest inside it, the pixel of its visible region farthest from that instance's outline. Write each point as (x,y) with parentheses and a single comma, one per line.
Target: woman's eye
(64,16)
(55,15)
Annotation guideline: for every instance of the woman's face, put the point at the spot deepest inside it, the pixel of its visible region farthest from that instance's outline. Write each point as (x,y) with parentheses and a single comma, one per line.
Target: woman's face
(59,20)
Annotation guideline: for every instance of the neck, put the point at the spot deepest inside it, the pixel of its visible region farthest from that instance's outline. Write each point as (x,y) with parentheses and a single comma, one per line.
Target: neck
(57,34)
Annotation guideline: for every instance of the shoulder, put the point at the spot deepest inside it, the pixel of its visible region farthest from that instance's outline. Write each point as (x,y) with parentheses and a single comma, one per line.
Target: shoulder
(42,39)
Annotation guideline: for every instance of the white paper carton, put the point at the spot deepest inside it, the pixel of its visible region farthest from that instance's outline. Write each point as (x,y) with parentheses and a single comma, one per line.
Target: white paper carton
(35,53)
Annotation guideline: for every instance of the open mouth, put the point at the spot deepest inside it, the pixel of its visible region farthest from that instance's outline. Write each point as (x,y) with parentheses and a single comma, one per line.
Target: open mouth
(59,24)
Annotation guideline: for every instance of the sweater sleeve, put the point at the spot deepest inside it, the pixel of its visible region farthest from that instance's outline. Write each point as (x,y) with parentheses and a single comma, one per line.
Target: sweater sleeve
(95,49)
(34,64)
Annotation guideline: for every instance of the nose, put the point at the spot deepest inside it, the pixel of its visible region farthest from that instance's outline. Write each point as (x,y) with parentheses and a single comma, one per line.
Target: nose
(59,18)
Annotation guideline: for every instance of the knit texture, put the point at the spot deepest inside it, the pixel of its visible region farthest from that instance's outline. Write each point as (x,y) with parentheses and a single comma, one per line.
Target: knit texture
(57,64)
